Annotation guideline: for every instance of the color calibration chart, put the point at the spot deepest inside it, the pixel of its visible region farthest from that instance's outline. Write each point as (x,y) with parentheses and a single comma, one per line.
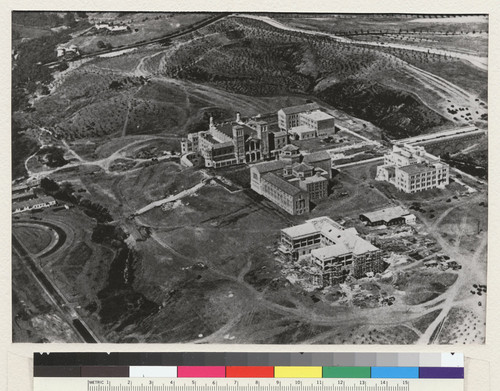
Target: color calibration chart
(195,371)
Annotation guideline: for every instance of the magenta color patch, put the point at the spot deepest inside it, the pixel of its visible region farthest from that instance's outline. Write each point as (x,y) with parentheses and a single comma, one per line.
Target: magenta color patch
(201,371)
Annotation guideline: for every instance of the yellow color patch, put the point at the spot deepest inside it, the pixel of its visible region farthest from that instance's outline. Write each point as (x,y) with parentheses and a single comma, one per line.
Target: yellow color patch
(291,372)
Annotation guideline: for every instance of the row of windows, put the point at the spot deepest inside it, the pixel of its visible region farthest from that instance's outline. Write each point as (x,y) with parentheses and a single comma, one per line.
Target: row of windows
(275,192)
(306,242)
(225,163)
(317,194)
(423,185)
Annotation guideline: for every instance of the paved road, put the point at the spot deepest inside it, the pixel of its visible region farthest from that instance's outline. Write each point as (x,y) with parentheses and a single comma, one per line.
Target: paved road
(445,134)
(366,161)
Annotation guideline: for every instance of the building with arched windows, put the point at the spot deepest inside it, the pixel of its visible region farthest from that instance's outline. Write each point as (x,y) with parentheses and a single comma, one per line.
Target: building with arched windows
(236,142)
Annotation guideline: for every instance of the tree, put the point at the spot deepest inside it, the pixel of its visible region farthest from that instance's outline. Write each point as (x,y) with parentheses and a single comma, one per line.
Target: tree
(69,19)
(49,185)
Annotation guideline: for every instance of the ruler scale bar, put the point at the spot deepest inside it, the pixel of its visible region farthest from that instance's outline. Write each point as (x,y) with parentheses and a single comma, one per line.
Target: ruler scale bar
(226,384)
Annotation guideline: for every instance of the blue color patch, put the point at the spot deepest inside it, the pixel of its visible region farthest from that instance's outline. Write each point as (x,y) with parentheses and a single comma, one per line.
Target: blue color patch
(394,372)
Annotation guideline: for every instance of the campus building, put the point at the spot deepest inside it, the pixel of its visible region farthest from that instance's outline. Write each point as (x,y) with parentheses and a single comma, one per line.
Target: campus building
(258,138)
(306,121)
(335,252)
(411,169)
(235,142)
(291,182)
(396,215)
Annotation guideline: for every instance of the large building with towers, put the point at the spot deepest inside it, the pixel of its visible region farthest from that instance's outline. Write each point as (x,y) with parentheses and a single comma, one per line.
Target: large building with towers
(235,142)
(258,138)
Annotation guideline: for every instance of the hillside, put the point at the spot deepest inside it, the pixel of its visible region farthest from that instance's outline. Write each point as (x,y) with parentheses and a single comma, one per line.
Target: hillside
(240,64)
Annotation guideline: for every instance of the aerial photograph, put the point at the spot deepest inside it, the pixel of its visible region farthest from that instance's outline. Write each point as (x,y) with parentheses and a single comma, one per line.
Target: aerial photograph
(249,178)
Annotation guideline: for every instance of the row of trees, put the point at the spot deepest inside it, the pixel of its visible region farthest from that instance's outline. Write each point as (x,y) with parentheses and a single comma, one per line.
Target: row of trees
(65,192)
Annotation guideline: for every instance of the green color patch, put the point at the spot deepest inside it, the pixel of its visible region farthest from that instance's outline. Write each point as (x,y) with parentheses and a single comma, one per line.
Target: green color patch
(347,372)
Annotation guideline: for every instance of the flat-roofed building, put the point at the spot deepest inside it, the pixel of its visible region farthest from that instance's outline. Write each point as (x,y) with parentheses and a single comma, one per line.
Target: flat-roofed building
(335,251)
(302,132)
(306,121)
(323,124)
(288,117)
(411,169)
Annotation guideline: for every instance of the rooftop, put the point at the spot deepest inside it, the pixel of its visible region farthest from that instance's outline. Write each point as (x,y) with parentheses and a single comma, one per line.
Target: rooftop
(300,108)
(361,246)
(335,250)
(386,214)
(20,188)
(281,133)
(302,167)
(16,196)
(312,226)
(281,184)
(318,115)
(301,129)
(346,241)
(298,231)
(271,166)
(317,157)
(290,147)
(315,178)
(417,168)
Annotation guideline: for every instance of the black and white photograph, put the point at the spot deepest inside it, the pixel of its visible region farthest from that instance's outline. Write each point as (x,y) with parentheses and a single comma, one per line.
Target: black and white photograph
(249,177)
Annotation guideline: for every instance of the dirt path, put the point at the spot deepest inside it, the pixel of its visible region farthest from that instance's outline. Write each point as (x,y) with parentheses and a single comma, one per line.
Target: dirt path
(452,293)
(171,198)
(104,163)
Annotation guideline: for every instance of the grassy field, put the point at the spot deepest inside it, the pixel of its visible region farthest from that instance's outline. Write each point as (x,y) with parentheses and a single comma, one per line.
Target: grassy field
(462,327)
(35,238)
